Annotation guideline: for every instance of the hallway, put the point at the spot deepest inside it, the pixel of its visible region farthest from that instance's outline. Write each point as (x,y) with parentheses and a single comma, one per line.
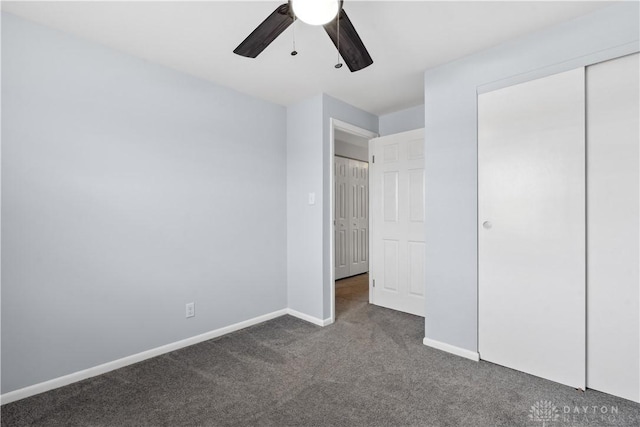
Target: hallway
(351,292)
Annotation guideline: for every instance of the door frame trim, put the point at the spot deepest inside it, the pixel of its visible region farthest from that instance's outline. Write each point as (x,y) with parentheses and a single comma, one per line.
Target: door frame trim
(335,124)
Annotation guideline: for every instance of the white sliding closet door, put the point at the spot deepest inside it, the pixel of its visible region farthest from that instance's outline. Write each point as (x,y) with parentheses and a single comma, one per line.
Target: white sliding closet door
(531,231)
(613,279)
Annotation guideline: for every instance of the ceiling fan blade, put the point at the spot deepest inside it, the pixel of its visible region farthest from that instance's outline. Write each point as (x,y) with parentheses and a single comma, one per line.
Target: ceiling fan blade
(351,49)
(266,32)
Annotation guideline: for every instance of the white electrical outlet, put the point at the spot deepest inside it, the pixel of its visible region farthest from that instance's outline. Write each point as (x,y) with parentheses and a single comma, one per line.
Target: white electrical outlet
(191,309)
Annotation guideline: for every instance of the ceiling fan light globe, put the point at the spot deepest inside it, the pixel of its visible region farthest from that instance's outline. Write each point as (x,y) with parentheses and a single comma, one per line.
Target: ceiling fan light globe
(315,12)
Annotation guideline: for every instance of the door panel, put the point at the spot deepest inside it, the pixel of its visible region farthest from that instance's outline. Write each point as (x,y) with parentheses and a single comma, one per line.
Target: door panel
(416,268)
(390,258)
(390,197)
(397,218)
(531,231)
(613,276)
(341,208)
(359,216)
(416,195)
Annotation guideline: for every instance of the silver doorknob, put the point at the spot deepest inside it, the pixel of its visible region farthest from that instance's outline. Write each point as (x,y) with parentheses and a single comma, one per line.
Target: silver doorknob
(487,225)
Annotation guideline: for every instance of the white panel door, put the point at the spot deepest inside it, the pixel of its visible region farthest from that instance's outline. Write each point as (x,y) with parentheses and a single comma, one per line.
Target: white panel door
(397,221)
(358,217)
(613,279)
(531,231)
(341,216)
(351,217)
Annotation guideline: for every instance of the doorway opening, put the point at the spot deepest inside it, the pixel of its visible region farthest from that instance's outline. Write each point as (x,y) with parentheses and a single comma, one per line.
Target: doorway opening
(351,292)
(349,205)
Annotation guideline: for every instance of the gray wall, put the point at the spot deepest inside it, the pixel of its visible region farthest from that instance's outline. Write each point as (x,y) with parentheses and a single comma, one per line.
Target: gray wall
(351,151)
(129,190)
(304,222)
(309,165)
(451,150)
(402,121)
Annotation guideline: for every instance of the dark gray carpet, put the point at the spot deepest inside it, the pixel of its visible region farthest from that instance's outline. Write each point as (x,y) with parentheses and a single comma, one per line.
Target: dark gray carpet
(368,369)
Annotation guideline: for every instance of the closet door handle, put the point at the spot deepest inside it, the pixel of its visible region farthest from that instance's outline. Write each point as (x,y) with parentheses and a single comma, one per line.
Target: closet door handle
(487,225)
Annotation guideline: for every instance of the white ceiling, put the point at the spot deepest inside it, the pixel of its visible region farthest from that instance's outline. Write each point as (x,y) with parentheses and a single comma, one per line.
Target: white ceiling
(403,37)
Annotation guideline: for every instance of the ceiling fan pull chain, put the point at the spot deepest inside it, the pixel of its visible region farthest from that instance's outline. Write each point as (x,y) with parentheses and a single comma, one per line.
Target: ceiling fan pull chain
(339,64)
(294,52)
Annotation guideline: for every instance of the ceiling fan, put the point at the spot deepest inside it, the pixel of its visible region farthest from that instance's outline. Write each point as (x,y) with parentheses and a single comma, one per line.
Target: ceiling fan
(335,21)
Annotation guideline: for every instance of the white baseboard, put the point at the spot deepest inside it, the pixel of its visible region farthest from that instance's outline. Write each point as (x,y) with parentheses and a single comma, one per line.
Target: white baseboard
(308,318)
(462,352)
(32,390)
